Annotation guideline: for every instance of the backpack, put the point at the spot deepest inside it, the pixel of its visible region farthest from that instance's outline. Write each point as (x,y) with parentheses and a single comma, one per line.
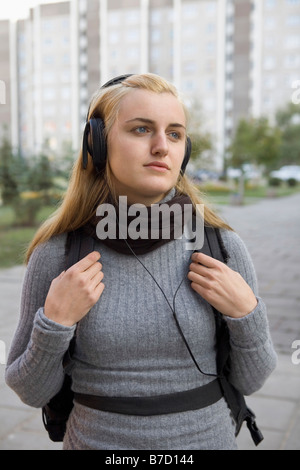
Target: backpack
(55,414)
(214,247)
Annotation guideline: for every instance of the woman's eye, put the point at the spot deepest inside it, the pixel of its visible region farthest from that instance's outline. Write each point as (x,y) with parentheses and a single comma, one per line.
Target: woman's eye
(175,135)
(141,130)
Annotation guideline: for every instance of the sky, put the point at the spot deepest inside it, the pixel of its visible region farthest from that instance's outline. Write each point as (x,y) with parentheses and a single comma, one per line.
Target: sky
(16,9)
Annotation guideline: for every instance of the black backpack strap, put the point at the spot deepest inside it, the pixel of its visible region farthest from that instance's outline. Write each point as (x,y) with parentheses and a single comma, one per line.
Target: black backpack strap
(213,246)
(55,414)
(78,245)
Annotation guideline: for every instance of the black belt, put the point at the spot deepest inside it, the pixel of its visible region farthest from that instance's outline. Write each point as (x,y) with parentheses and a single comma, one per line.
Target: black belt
(156,405)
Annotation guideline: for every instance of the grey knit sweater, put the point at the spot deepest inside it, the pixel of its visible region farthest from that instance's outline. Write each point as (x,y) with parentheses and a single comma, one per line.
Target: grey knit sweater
(128,345)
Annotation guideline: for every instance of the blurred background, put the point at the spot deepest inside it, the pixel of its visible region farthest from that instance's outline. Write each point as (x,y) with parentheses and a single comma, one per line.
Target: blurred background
(237,66)
(236,62)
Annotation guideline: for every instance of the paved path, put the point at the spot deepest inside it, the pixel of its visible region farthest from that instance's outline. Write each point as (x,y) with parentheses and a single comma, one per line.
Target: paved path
(271,230)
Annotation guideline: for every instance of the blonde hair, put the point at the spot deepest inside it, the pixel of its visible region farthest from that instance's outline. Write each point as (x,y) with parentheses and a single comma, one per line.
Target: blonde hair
(87,189)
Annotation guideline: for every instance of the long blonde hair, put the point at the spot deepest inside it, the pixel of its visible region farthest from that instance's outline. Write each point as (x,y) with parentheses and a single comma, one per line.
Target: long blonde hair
(87,189)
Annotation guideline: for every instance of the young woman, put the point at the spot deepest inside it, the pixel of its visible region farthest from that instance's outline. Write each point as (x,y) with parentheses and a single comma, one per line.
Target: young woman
(127,343)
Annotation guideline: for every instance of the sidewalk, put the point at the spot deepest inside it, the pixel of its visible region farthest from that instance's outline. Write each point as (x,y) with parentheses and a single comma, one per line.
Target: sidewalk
(271,231)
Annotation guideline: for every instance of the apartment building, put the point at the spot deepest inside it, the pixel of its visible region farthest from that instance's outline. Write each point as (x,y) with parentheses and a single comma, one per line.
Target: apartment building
(275,54)
(184,41)
(5,77)
(229,58)
(44,85)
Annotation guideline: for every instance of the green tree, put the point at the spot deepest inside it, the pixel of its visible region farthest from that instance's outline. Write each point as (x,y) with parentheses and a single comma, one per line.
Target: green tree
(288,120)
(255,141)
(8,178)
(25,183)
(202,141)
(201,147)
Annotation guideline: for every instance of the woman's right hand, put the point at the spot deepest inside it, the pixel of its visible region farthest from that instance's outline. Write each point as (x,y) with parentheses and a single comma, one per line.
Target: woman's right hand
(74,292)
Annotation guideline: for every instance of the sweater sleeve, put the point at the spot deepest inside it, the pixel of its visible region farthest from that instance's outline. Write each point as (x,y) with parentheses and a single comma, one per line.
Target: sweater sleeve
(34,368)
(253,357)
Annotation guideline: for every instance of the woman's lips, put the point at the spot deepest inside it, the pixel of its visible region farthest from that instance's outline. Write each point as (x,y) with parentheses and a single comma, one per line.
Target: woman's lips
(158,166)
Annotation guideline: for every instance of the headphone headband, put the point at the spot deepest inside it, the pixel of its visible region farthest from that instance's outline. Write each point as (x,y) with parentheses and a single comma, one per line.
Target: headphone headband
(115,81)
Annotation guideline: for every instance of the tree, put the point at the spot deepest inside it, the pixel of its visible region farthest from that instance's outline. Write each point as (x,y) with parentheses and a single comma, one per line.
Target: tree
(8,178)
(202,141)
(202,148)
(255,141)
(24,183)
(288,120)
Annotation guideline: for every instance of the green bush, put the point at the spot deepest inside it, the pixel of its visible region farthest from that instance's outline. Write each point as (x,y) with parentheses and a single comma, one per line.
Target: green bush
(275,182)
(292,182)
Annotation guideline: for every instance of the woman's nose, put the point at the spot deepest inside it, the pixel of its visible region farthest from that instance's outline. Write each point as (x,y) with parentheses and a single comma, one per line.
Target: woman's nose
(160,145)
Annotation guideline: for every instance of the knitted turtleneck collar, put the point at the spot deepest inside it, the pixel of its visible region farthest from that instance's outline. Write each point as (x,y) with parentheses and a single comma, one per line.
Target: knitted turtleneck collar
(149,228)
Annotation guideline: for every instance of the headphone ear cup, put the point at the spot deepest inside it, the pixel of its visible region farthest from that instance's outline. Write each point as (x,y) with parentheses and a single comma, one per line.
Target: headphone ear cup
(95,145)
(188,151)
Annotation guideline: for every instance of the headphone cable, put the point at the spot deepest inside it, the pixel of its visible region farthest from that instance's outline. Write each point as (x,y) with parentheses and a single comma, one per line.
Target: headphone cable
(172,310)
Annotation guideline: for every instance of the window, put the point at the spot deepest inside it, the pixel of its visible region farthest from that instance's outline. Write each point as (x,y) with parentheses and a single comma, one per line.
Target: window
(155,53)
(132,17)
(292,61)
(210,28)
(209,104)
(270,23)
(49,76)
(209,84)
(49,110)
(132,35)
(65,22)
(189,50)
(114,37)
(66,59)
(132,53)
(66,40)
(47,25)
(291,79)
(270,4)
(189,85)
(49,94)
(189,12)
(66,127)
(293,20)
(48,41)
(269,62)
(113,18)
(210,47)
(211,8)
(65,76)
(270,42)
(189,67)
(65,93)
(292,42)
(155,17)
(270,83)
(48,59)
(155,35)
(50,126)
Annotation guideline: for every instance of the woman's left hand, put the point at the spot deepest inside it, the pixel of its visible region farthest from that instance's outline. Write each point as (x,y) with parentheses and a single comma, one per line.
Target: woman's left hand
(222,287)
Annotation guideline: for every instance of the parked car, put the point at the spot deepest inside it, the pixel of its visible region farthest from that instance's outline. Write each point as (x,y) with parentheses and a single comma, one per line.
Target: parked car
(250,172)
(287,172)
(203,175)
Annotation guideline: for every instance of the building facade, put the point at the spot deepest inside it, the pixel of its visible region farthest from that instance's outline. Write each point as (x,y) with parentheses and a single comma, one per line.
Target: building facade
(229,58)
(6,81)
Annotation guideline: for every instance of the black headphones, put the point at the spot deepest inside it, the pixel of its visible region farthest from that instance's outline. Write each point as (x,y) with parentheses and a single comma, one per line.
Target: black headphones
(98,148)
